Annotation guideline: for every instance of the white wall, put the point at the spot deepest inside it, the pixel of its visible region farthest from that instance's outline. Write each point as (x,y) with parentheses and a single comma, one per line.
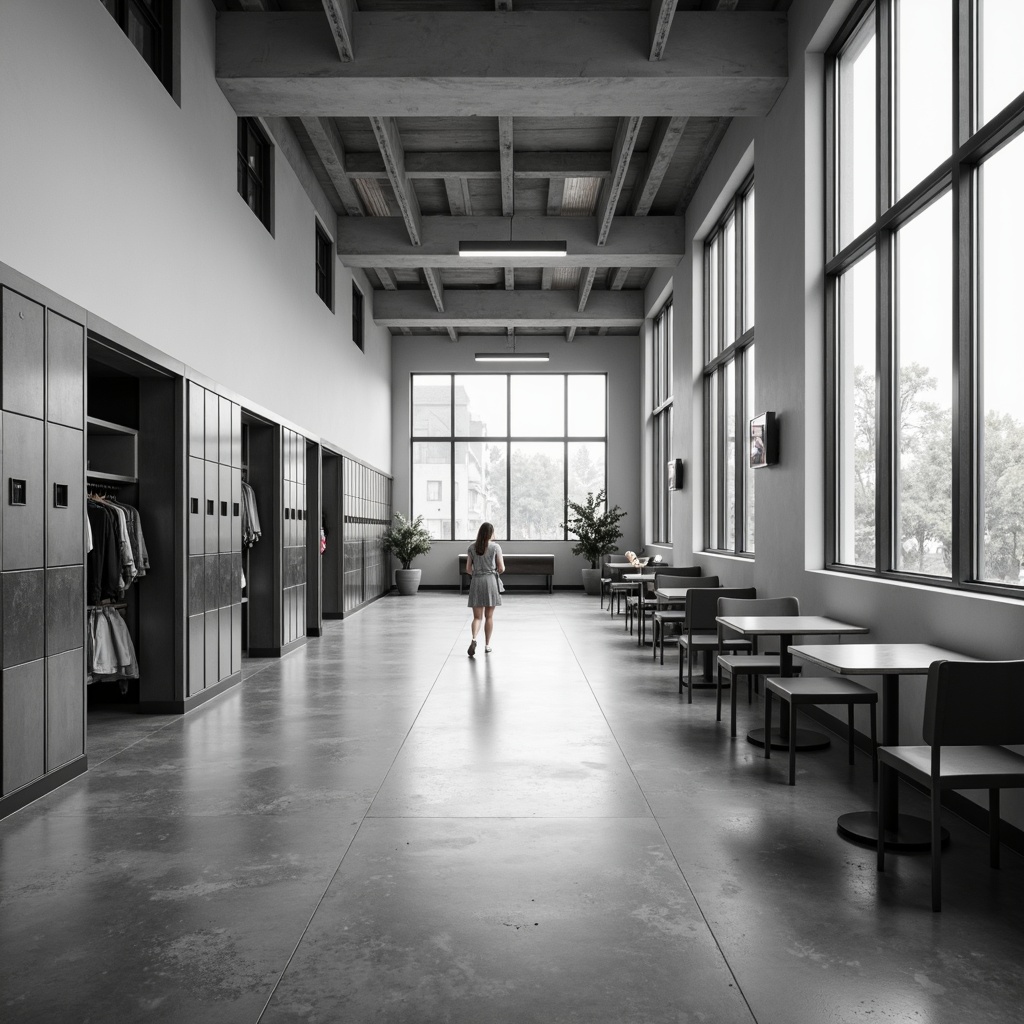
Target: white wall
(788,162)
(116,197)
(618,357)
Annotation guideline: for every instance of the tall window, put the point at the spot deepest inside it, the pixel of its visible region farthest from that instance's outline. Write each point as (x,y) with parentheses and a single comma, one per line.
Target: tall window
(147,24)
(324,267)
(729,377)
(254,168)
(924,264)
(514,447)
(357,316)
(661,425)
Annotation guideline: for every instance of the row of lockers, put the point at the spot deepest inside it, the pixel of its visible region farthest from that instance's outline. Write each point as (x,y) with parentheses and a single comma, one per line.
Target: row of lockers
(214,427)
(43,501)
(214,508)
(214,647)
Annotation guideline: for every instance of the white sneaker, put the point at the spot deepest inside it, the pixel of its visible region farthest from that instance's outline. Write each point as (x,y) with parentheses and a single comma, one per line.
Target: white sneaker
(487,650)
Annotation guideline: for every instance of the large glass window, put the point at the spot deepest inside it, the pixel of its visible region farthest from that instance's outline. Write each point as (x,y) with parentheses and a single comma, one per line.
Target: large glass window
(729,377)
(254,168)
(509,449)
(926,437)
(661,426)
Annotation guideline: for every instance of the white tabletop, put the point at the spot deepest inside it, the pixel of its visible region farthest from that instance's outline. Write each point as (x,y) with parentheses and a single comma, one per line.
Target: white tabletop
(875,659)
(788,625)
(673,593)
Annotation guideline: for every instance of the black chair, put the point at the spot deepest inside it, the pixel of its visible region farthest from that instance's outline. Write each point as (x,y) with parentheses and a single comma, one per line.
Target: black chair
(701,634)
(606,578)
(640,607)
(972,712)
(820,690)
(753,664)
(664,617)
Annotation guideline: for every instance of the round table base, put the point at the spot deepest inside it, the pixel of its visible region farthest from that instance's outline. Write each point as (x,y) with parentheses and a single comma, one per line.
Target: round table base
(806,739)
(912,833)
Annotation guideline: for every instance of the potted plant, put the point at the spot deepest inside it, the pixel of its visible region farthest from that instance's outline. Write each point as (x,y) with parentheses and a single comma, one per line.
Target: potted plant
(597,528)
(405,540)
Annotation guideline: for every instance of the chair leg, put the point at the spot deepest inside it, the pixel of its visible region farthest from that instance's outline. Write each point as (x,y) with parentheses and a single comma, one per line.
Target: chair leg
(936,823)
(661,649)
(792,741)
(750,688)
(849,729)
(993,827)
(718,695)
(881,815)
(682,655)
(767,724)
(733,687)
(689,676)
(874,741)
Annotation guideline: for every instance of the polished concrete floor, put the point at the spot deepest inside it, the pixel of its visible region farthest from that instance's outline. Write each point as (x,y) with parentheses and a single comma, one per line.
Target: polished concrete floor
(378,828)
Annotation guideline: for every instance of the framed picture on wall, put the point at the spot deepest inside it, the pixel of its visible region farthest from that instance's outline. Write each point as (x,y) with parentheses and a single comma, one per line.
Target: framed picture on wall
(763,441)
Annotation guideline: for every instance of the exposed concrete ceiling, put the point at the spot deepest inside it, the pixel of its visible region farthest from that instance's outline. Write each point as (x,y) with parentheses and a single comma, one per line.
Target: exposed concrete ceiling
(430,122)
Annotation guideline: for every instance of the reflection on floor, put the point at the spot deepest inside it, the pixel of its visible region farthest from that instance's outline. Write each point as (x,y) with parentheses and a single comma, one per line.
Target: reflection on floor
(378,828)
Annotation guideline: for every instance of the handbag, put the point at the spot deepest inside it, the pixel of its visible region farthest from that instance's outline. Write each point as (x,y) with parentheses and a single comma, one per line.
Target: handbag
(501,586)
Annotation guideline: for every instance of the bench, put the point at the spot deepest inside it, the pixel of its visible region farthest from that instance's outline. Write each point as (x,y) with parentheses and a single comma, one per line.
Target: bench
(518,565)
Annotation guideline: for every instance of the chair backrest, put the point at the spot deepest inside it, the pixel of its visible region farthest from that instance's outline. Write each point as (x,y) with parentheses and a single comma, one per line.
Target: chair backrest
(663,579)
(686,570)
(974,702)
(702,606)
(759,606)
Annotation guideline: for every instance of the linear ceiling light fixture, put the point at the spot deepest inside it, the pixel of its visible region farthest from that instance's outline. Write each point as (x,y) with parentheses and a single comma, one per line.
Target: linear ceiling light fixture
(513,250)
(512,356)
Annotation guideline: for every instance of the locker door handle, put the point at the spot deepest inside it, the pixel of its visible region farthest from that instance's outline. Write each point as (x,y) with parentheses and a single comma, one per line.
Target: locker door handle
(224,508)
(209,506)
(60,495)
(235,510)
(194,506)
(17,492)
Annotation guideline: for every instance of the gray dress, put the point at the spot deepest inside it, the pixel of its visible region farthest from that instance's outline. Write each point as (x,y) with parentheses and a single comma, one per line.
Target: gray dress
(483,584)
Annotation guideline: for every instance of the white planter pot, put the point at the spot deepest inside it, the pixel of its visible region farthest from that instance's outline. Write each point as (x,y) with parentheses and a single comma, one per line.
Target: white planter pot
(408,581)
(592,582)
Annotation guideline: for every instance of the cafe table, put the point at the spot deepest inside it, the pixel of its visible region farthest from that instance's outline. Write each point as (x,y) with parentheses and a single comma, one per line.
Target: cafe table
(890,661)
(785,627)
(619,568)
(639,579)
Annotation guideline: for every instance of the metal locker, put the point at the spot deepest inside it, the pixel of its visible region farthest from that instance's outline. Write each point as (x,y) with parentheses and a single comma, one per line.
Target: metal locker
(65,708)
(224,637)
(300,611)
(286,453)
(212,447)
(23,616)
(65,371)
(196,420)
(196,584)
(301,477)
(65,609)
(212,667)
(236,435)
(196,509)
(224,562)
(236,578)
(236,638)
(236,510)
(211,576)
(196,653)
(224,437)
(22,711)
(23,517)
(64,497)
(224,519)
(22,349)
(211,533)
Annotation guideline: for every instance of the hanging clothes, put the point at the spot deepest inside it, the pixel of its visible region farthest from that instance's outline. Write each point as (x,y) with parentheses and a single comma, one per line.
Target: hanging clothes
(111,651)
(118,555)
(251,531)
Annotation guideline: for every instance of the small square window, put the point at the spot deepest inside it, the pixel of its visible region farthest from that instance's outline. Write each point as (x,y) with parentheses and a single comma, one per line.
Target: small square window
(324,267)
(433,490)
(254,184)
(357,316)
(147,24)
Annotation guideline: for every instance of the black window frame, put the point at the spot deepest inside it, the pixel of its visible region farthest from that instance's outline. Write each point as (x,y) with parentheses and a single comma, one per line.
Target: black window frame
(324,267)
(958,175)
(357,317)
(661,424)
(158,16)
(255,169)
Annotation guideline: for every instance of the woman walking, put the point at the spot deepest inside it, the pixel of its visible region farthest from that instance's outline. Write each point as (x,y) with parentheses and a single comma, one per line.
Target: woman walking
(483,565)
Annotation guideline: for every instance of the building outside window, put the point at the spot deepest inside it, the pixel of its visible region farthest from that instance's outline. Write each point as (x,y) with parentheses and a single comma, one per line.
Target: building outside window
(254,184)
(147,24)
(433,490)
(324,267)
(924,264)
(729,377)
(357,316)
(661,425)
(514,448)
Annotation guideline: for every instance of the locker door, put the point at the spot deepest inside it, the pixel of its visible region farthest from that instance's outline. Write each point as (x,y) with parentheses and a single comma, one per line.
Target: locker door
(65,609)
(196,506)
(224,636)
(65,708)
(196,653)
(212,627)
(22,495)
(236,510)
(236,435)
(22,352)
(65,509)
(196,420)
(65,371)
(212,447)
(196,584)
(210,529)
(224,437)
(224,590)
(22,710)
(236,638)
(23,616)
(224,519)
(300,608)
(211,582)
